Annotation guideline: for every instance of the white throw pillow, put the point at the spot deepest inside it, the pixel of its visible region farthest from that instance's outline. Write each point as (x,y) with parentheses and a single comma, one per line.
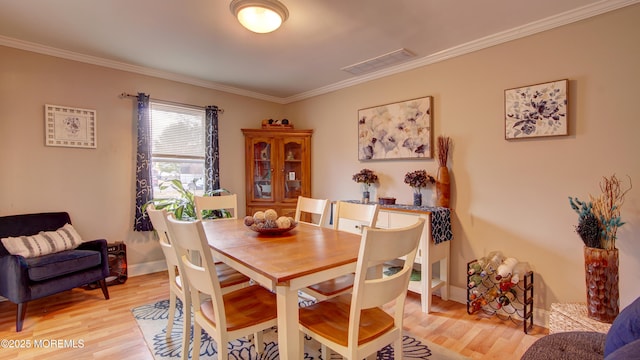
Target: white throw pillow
(46,242)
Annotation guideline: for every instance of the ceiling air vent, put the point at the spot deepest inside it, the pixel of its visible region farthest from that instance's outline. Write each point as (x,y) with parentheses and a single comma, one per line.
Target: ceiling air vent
(379,62)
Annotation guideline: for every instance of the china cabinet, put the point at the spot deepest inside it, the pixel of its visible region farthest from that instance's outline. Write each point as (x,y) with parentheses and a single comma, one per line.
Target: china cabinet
(277,169)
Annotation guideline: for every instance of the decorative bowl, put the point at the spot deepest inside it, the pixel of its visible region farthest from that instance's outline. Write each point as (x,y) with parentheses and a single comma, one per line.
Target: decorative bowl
(387,200)
(272,231)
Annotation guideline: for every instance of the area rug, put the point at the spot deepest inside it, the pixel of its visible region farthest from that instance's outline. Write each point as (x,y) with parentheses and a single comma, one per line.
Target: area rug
(152,320)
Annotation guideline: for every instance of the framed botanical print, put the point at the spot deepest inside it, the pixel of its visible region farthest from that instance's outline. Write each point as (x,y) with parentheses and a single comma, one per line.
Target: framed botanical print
(537,110)
(399,130)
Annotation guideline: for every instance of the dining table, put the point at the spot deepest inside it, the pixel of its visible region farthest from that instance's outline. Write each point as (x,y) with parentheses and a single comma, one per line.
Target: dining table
(284,263)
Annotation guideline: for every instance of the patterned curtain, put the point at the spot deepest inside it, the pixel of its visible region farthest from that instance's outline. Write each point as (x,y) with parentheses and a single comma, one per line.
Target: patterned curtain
(212,151)
(144,190)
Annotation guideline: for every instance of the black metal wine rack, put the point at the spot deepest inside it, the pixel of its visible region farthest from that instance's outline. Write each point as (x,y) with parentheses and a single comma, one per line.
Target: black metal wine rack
(515,303)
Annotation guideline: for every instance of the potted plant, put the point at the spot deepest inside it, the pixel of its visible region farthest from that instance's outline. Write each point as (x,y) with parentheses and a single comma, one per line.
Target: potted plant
(183,206)
(366,177)
(598,222)
(417,180)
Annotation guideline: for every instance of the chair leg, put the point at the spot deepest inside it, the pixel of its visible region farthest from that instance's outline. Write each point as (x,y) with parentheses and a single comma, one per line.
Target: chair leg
(172,313)
(258,342)
(397,349)
(186,327)
(325,351)
(197,333)
(22,312)
(103,286)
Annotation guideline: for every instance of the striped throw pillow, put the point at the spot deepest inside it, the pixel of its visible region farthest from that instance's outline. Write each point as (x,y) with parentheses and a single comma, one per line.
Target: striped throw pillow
(46,242)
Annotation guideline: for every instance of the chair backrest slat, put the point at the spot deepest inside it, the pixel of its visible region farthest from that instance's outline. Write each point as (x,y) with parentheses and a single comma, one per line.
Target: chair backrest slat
(222,202)
(316,207)
(354,217)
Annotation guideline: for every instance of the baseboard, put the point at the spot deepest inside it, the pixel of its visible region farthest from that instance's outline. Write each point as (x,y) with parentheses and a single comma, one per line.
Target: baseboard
(147,268)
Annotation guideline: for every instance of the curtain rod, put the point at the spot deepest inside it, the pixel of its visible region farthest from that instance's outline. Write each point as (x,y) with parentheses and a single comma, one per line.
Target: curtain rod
(125,95)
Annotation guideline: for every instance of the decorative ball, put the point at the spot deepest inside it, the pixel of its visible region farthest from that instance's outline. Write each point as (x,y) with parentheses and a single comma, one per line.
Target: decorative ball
(283,222)
(270,215)
(270,224)
(258,215)
(248,220)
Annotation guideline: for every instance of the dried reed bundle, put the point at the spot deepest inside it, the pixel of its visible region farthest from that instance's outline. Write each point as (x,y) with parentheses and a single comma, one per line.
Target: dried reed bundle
(444,144)
(606,208)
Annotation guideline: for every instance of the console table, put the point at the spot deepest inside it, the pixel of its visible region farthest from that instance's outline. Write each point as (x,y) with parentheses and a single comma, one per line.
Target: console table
(434,248)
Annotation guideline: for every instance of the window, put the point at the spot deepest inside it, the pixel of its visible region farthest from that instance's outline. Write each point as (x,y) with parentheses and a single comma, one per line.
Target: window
(177,148)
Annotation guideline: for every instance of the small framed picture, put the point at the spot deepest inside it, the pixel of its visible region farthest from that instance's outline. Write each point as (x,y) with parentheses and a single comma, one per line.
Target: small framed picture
(292,175)
(537,110)
(70,127)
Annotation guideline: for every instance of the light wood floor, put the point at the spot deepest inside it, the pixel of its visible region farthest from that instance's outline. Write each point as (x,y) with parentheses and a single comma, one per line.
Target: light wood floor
(106,329)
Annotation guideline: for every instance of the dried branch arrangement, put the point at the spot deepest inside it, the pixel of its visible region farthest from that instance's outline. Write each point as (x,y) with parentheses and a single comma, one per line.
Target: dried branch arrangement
(444,144)
(599,219)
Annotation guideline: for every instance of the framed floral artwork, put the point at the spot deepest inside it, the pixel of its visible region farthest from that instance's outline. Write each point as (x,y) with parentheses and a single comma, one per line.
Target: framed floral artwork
(399,130)
(70,127)
(537,110)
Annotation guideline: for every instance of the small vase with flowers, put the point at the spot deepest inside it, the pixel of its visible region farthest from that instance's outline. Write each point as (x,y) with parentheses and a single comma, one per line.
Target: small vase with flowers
(417,180)
(366,177)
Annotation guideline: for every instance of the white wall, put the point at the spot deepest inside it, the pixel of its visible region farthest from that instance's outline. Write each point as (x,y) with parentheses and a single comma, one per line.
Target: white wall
(510,195)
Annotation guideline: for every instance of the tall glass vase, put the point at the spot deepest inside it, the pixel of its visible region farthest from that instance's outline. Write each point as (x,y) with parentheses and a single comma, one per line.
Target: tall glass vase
(443,188)
(601,275)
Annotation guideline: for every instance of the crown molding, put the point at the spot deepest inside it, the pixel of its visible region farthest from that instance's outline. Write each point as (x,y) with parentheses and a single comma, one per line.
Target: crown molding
(118,65)
(549,23)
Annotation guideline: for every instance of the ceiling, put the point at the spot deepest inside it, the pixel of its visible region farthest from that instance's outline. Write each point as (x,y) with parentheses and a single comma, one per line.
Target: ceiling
(200,42)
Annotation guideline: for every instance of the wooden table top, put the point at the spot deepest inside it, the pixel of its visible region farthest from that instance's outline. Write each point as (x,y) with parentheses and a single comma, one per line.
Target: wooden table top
(305,250)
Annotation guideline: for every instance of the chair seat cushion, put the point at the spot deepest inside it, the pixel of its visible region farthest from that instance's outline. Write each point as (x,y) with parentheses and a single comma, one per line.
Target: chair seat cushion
(61,263)
(330,319)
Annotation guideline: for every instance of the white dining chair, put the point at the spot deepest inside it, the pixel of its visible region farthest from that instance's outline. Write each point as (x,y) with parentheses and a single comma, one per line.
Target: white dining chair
(221,202)
(313,208)
(350,217)
(355,325)
(230,279)
(225,317)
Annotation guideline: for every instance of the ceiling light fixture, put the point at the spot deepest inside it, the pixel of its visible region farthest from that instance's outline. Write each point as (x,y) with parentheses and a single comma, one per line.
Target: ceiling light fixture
(259,16)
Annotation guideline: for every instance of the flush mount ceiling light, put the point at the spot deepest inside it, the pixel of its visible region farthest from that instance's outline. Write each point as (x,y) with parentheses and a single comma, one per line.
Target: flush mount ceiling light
(259,16)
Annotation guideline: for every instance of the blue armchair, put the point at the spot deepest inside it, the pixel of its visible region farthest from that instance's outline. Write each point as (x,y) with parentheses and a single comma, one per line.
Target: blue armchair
(25,279)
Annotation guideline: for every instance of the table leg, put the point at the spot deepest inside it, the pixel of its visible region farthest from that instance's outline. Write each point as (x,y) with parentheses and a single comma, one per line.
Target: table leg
(288,332)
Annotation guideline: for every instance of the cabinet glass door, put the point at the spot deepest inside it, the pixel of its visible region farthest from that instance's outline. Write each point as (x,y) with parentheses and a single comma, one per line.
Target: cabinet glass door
(262,170)
(292,169)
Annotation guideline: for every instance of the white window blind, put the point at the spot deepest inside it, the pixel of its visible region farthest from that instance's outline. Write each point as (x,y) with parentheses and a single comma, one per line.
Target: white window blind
(177,147)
